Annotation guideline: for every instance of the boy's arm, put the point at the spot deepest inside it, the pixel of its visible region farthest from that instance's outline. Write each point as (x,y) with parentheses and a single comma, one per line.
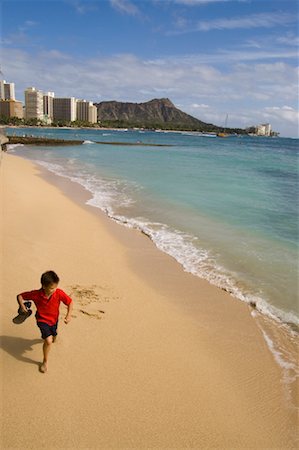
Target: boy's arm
(21,303)
(69,312)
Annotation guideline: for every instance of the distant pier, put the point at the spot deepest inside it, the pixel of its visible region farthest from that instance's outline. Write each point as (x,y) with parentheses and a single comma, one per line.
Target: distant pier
(37,140)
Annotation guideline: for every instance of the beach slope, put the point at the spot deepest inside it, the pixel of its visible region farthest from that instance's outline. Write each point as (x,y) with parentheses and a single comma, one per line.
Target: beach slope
(133,368)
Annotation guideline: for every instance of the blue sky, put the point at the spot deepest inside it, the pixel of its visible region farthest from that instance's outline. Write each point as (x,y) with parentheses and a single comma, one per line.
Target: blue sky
(210,57)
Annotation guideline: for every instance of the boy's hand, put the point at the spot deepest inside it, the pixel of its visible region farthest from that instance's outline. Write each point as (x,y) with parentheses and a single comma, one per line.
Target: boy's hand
(67,319)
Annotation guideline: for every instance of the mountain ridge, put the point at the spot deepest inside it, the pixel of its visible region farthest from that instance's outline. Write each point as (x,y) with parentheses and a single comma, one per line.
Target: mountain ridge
(155,113)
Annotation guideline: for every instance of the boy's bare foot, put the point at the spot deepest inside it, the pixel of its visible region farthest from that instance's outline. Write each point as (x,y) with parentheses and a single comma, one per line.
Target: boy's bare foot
(43,367)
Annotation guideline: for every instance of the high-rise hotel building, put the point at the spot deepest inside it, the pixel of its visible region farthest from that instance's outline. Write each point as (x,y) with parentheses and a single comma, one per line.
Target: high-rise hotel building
(264,129)
(48,108)
(64,109)
(48,101)
(86,111)
(7,90)
(34,108)
(9,106)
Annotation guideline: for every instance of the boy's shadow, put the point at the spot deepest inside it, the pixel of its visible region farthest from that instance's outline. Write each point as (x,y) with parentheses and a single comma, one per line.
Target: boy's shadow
(16,347)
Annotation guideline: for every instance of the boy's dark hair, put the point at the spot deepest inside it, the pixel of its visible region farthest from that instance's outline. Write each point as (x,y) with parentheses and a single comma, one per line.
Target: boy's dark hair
(49,278)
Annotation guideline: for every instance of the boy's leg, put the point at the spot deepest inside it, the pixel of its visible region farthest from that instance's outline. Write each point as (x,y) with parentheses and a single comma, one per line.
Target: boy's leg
(46,349)
(54,331)
(48,333)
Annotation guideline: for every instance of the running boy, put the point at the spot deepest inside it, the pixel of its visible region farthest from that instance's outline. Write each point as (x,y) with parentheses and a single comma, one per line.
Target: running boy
(47,301)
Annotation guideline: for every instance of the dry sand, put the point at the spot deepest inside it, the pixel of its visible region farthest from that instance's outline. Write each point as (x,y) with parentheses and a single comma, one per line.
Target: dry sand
(153,357)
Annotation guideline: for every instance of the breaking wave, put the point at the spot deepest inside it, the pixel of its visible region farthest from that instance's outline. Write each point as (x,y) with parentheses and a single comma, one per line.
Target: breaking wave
(110,194)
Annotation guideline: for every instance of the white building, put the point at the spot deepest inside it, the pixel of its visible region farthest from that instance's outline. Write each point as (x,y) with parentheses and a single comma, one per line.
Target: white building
(64,109)
(93,113)
(264,129)
(86,111)
(48,100)
(7,90)
(34,104)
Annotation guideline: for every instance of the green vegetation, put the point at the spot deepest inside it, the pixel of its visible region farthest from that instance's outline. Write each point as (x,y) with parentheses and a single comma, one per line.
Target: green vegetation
(11,121)
(75,124)
(205,128)
(15,121)
(147,125)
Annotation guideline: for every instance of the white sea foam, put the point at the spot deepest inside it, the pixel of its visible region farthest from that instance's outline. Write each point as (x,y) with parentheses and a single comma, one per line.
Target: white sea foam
(104,193)
(88,142)
(109,195)
(278,356)
(199,262)
(198,133)
(11,147)
(288,364)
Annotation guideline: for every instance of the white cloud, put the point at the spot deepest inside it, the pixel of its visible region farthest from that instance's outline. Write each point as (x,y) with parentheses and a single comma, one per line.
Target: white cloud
(250,21)
(16,38)
(30,23)
(251,43)
(286,113)
(181,23)
(201,105)
(200,2)
(20,35)
(284,43)
(54,55)
(81,6)
(125,6)
(290,40)
(246,91)
(261,20)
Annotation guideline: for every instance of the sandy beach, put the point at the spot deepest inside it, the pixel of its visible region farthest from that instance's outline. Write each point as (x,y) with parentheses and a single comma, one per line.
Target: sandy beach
(153,357)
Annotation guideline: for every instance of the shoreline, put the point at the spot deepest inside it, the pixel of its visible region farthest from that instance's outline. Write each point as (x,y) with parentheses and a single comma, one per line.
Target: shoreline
(123,129)
(158,130)
(203,342)
(281,317)
(265,321)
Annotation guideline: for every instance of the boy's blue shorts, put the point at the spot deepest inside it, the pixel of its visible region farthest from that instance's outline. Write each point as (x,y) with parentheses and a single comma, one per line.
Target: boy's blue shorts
(47,330)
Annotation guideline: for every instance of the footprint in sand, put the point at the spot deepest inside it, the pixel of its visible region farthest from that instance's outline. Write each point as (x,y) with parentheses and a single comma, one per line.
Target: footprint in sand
(88,296)
(92,315)
(84,295)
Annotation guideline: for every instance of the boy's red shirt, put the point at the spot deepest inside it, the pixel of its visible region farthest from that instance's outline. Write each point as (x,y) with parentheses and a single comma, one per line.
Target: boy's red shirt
(47,308)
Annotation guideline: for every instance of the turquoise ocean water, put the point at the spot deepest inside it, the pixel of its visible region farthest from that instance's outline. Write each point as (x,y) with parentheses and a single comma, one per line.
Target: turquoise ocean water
(225,209)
